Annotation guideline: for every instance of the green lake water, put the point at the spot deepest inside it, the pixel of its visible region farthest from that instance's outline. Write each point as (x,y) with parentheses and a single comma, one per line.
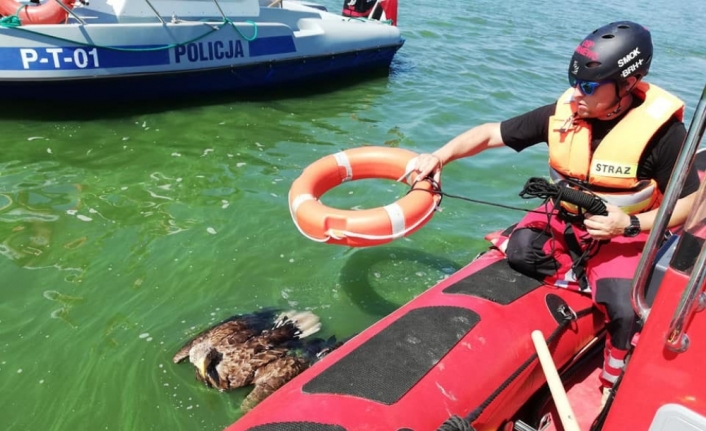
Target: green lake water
(125,229)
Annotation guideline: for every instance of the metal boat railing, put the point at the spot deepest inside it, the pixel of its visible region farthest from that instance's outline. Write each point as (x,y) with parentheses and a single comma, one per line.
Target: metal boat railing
(157,13)
(211,21)
(151,6)
(692,300)
(217,6)
(676,183)
(71,12)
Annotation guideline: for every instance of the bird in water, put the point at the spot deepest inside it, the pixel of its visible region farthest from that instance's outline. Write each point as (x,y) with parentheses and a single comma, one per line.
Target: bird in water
(264,349)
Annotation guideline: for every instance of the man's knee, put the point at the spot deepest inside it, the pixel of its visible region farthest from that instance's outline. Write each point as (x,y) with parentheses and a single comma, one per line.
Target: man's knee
(525,253)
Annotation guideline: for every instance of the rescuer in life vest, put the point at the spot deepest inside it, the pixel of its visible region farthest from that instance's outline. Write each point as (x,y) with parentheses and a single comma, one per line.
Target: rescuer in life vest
(610,134)
(361,9)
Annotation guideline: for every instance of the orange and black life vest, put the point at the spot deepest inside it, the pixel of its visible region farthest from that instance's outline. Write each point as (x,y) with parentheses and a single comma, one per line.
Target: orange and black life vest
(611,171)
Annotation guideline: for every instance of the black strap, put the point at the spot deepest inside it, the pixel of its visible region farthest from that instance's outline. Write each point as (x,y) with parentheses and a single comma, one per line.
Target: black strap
(456,423)
(578,256)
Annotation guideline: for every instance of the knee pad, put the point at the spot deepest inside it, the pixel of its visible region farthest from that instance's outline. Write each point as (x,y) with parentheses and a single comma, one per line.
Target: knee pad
(525,253)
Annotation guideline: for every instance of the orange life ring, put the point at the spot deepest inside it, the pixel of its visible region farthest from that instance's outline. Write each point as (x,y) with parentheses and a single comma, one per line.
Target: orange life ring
(48,12)
(360,228)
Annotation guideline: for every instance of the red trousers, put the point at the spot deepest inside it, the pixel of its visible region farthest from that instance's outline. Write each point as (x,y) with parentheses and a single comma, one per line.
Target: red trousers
(540,246)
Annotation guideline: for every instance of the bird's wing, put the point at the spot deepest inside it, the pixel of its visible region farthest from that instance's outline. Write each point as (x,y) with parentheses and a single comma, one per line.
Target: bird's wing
(235,328)
(276,336)
(279,371)
(264,357)
(238,366)
(272,376)
(234,370)
(238,328)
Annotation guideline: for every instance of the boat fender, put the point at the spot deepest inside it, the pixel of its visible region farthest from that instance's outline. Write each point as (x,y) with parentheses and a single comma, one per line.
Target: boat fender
(361,228)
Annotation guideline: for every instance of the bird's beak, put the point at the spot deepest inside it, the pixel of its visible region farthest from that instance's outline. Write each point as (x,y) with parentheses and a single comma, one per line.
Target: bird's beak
(206,375)
(215,380)
(201,367)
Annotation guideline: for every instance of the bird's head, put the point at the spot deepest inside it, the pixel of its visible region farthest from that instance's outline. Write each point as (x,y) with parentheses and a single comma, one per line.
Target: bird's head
(205,358)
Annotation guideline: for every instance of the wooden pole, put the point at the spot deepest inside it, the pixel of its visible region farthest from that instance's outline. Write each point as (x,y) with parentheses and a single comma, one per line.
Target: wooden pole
(561,400)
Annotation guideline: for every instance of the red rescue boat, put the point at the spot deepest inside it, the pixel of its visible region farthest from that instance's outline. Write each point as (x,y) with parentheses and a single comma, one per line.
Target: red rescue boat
(447,351)
(460,356)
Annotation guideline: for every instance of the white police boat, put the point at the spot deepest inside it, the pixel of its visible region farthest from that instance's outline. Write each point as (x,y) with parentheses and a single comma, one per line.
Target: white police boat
(137,49)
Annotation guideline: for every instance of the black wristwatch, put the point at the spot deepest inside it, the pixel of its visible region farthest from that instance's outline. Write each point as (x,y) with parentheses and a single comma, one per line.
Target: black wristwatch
(634,228)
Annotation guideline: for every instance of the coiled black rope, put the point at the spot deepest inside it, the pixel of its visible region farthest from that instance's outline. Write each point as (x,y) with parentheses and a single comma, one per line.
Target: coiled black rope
(537,187)
(456,423)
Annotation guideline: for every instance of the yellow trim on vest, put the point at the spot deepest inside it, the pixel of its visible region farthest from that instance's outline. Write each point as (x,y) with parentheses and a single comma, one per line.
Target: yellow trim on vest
(614,163)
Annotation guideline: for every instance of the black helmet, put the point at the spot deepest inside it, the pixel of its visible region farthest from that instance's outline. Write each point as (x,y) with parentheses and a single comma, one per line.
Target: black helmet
(613,52)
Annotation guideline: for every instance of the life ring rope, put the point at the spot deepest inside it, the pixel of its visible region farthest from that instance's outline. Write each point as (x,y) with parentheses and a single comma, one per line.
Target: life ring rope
(364,227)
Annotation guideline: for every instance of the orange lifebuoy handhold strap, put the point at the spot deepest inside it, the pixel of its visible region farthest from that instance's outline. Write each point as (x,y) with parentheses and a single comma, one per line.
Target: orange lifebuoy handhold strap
(362,227)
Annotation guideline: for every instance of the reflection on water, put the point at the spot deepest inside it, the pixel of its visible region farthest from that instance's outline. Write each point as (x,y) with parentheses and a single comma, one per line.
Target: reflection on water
(29,215)
(65,304)
(108,109)
(396,268)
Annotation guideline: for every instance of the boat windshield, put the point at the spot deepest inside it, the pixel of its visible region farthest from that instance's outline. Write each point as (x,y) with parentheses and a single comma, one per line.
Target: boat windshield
(693,236)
